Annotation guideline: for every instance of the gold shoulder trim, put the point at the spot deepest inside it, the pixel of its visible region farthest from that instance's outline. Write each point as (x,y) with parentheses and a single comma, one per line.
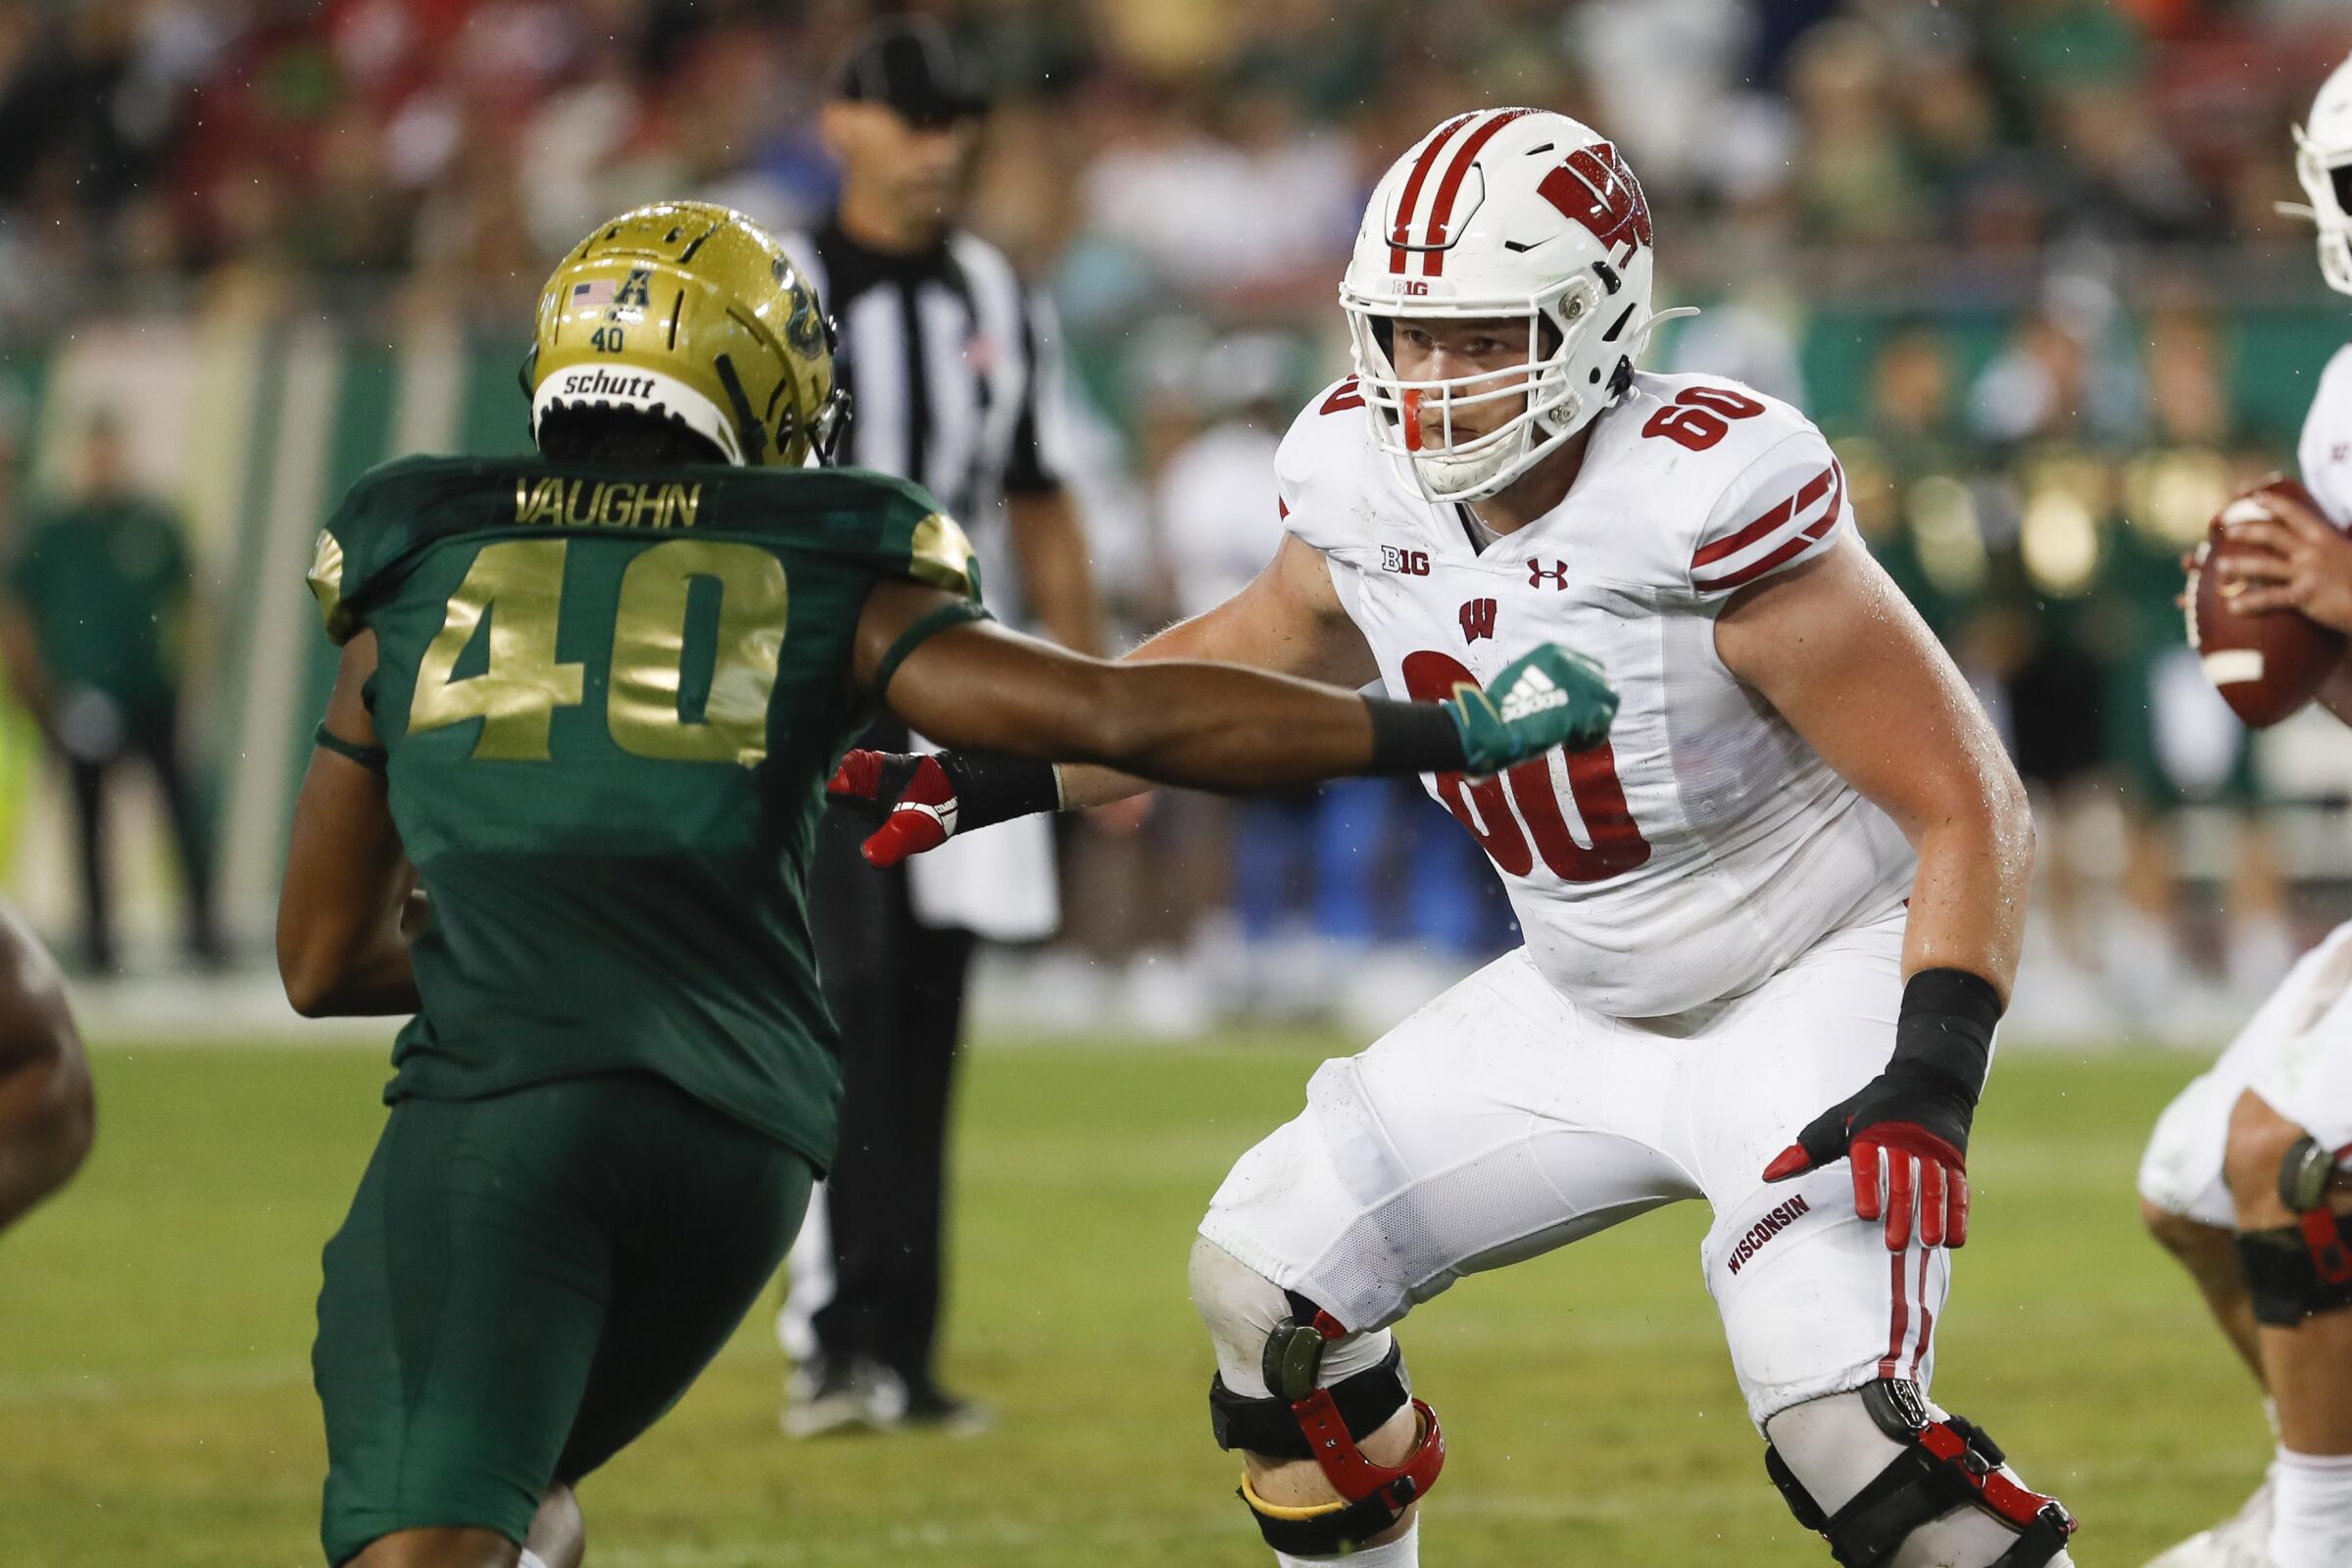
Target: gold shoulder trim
(326,586)
(941,557)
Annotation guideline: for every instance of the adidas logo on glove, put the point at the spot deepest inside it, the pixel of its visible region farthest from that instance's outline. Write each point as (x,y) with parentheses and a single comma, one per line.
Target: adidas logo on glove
(1532,693)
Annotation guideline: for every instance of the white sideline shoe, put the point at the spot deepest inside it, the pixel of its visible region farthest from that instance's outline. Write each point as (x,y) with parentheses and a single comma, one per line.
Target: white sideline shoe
(2241,1540)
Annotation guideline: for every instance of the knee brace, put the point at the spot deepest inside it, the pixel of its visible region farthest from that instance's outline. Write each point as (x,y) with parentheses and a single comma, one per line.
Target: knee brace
(1943,1464)
(2297,1271)
(1301,1421)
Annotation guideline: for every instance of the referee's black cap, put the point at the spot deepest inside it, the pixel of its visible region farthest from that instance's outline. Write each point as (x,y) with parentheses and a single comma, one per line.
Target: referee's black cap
(911,65)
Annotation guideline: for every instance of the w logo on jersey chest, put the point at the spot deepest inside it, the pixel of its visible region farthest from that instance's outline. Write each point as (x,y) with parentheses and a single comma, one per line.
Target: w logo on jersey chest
(1478,619)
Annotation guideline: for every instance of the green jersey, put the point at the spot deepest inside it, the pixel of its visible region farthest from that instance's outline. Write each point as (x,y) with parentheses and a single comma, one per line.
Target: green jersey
(611,698)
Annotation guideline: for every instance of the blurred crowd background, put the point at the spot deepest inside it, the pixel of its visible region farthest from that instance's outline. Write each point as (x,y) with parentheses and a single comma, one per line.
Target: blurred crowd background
(2020,257)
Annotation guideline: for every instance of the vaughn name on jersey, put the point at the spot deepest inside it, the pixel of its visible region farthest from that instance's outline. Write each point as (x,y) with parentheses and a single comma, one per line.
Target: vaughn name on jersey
(1705,844)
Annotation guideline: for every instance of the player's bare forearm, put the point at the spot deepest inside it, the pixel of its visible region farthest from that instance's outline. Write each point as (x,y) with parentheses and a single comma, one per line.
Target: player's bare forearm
(340,949)
(1968,902)
(1846,661)
(1209,726)
(1288,620)
(1085,785)
(1050,547)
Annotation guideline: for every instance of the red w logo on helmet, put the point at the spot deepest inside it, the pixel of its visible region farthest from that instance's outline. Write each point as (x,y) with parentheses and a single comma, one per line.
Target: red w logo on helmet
(1595,188)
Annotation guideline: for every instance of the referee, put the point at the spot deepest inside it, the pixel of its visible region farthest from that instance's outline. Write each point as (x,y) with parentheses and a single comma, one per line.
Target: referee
(950,369)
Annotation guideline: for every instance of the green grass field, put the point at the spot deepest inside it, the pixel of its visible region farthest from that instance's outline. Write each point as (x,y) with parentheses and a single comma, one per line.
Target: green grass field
(155,1403)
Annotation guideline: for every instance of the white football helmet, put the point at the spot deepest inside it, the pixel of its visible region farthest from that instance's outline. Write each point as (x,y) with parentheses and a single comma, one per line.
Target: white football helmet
(2324,164)
(1500,213)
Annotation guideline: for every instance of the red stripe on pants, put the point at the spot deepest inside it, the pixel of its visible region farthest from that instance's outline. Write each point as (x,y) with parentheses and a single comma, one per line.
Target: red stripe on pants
(1900,1320)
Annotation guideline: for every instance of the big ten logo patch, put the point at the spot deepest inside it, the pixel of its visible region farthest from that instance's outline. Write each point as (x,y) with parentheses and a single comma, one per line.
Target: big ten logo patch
(1478,619)
(1411,563)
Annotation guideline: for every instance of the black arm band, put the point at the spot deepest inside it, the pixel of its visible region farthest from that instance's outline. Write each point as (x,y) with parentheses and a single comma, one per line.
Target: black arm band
(1945,1028)
(374,759)
(991,788)
(1413,738)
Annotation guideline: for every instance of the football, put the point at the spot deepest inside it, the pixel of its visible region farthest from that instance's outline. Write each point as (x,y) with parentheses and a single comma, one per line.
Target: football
(2266,666)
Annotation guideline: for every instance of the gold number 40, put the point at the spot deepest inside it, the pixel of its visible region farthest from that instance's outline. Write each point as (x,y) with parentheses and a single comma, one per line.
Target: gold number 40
(519,584)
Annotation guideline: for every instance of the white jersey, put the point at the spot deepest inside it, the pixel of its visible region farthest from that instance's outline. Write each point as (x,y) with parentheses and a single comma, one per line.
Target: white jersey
(1705,844)
(2325,451)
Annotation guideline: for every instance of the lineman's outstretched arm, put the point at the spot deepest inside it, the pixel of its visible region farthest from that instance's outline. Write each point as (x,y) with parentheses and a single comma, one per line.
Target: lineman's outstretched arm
(1835,649)
(340,949)
(1288,620)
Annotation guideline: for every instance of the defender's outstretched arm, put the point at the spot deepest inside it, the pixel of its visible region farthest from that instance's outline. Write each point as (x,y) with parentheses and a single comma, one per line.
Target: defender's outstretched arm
(340,949)
(1289,619)
(1212,726)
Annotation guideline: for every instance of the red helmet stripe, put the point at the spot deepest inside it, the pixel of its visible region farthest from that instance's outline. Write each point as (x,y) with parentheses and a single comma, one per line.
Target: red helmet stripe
(1441,210)
(1412,186)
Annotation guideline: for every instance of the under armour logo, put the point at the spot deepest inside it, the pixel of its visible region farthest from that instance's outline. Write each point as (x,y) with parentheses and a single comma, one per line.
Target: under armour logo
(1556,573)
(1532,693)
(1478,619)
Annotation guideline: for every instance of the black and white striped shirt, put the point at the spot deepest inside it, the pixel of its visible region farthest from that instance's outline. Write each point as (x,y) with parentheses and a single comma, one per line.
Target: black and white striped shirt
(940,350)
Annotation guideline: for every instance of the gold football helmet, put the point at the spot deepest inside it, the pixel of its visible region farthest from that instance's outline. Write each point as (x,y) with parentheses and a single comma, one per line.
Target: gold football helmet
(690,312)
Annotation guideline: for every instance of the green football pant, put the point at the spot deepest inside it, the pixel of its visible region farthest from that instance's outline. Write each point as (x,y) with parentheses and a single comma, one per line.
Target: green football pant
(523,1285)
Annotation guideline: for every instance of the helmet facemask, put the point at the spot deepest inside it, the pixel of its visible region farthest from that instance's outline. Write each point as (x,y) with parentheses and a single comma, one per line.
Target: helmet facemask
(2330,187)
(1442,468)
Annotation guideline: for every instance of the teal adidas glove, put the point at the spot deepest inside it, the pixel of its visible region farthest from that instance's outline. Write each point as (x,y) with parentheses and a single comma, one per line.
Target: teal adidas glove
(1548,697)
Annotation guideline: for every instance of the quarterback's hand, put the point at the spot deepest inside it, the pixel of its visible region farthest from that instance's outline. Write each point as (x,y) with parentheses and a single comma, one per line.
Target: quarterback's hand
(909,794)
(2303,564)
(1550,697)
(1906,1132)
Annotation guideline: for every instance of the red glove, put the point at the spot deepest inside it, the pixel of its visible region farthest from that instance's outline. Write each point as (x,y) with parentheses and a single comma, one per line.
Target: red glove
(913,795)
(922,801)
(1899,1168)
(1906,1130)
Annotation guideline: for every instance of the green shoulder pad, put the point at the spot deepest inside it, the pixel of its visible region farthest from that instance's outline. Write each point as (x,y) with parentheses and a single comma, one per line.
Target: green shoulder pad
(909,532)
